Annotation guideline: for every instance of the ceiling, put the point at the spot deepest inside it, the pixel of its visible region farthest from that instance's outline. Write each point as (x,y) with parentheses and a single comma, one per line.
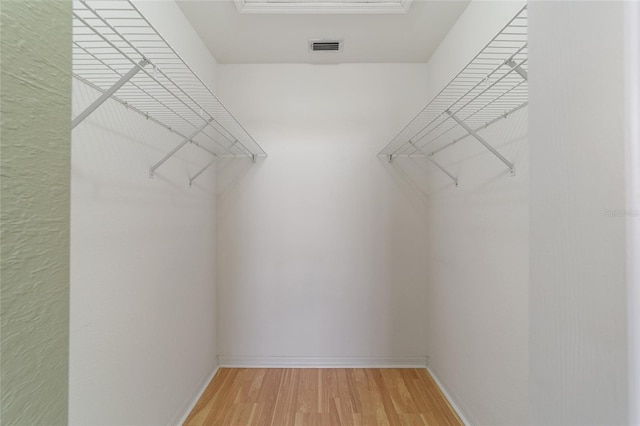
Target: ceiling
(323,6)
(277,36)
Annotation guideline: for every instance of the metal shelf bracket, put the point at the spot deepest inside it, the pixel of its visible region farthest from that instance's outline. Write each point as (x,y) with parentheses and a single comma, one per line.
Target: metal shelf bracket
(179,146)
(118,52)
(435,163)
(108,93)
(211,163)
(489,88)
(482,141)
(517,68)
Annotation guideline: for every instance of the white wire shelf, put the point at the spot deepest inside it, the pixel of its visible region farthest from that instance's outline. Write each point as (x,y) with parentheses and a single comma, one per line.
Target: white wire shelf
(490,87)
(119,53)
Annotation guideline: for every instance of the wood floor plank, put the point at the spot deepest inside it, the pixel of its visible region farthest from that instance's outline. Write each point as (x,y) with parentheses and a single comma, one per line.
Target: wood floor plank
(401,398)
(287,400)
(322,397)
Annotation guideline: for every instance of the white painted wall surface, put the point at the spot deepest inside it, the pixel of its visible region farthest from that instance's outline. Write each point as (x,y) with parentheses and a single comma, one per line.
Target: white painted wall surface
(632,155)
(578,295)
(320,252)
(477,25)
(142,260)
(167,17)
(478,234)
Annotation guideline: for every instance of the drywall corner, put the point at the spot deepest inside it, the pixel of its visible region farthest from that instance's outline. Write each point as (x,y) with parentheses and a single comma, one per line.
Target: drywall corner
(169,20)
(451,399)
(142,311)
(194,400)
(478,262)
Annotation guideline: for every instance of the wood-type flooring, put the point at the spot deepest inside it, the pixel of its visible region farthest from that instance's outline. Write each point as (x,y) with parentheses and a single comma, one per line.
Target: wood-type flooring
(322,397)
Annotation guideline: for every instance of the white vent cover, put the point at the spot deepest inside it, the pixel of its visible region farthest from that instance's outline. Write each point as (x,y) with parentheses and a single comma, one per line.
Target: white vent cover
(325,45)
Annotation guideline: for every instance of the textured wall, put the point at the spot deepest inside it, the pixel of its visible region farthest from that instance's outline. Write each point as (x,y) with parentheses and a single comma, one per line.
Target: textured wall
(35,160)
(578,295)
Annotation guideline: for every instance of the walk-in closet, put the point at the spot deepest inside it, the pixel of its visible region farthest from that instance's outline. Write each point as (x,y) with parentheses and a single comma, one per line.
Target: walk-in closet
(309,212)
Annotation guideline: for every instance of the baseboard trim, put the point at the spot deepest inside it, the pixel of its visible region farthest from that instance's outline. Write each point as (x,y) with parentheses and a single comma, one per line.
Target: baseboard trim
(197,397)
(447,395)
(321,362)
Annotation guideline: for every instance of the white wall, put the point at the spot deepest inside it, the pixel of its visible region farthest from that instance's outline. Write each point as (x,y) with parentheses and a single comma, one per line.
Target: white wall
(320,252)
(142,259)
(168,19)
(578,294)
(479,23)
(632,156)
(478,233)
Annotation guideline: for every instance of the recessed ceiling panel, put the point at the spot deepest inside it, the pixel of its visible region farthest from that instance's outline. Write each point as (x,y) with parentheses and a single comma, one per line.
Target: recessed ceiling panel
(323,6)
(254,38)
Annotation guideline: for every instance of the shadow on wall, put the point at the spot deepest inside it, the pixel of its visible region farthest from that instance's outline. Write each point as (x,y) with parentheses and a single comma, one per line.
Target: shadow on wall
(147,140)
(230,171)
(141,270)
(319,255)
(478,273)
(464,157)
(321,258)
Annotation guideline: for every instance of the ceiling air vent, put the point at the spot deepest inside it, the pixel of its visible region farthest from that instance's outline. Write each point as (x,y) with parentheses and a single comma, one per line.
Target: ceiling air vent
(325,45)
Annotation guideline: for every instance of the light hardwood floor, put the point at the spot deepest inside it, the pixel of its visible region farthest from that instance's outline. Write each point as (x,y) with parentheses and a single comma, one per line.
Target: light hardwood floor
(322,397)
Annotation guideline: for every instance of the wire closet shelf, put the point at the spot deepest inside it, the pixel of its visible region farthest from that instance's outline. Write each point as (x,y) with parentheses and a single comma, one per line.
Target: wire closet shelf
(492,86)
(120,54)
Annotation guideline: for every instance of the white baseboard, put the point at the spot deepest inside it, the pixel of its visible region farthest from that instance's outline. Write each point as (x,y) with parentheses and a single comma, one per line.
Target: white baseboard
(193,403)
(447,395)
(321,362)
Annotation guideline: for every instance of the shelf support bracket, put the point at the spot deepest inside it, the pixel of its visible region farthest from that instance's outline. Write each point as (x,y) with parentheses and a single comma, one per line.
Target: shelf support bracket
(211,163)
(479,138)
(202,147)
(517,68)
(435,163)
(477,129)
(180,145)
(107,94)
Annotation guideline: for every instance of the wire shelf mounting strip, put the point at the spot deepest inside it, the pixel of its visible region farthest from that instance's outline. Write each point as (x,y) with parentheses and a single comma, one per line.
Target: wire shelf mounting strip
(492,86)
(120,54)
